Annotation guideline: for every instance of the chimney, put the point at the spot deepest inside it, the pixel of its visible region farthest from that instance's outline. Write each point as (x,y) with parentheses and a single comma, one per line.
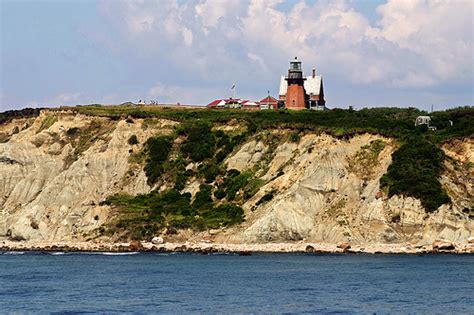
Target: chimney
(314,72)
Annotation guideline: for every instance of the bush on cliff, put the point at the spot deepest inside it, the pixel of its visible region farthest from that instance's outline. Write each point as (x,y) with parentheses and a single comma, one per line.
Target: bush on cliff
(133,140)
(203,199)
(224,215)
(157,149)
(415,169)
(200,141)
(394,122)
(234,182)
(143,216)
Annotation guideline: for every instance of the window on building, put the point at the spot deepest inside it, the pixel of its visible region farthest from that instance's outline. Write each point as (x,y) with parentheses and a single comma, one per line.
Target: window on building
(295,66)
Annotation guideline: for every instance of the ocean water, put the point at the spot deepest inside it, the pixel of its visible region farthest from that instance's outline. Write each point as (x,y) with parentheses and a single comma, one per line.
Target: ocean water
(262,283)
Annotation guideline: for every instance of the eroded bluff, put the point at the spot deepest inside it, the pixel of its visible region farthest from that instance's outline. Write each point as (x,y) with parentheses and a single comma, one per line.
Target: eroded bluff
(57,169)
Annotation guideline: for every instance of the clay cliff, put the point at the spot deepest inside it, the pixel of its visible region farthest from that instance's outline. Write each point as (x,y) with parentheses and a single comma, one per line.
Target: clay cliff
(57,169)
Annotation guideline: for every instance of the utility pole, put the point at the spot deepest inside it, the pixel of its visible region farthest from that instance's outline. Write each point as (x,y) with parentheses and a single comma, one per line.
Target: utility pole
(268,99)
(233,89)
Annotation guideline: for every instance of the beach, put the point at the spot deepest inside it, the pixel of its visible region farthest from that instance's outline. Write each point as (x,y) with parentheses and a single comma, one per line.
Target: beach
(208,247)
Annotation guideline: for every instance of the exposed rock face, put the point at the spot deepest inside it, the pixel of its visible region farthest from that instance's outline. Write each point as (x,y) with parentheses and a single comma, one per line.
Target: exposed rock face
(50,192)
(344,246)
(443,245)
(56,171)
(250,154)
(320,199)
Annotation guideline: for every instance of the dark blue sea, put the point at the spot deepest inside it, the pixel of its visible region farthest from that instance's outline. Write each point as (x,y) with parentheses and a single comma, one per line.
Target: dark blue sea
(262,283)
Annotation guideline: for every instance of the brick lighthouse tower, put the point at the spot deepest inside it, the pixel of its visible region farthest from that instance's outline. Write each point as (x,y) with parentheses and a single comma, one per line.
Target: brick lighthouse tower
(295,95)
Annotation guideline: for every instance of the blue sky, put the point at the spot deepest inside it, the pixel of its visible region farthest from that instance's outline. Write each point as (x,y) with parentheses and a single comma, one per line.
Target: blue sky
(370,53)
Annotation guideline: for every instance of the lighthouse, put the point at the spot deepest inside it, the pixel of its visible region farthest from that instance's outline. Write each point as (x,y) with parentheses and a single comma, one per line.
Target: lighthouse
(295,94)
(299,92)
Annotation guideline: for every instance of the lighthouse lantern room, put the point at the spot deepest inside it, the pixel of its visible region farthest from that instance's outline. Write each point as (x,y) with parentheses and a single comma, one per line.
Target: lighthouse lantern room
(295,96)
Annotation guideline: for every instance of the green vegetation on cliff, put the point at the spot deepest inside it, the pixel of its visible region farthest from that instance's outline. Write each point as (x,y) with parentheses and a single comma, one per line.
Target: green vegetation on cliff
(16,114)
(197,147)
(415,169)
(157,149)
(338,122)
(165,159)
(144,216)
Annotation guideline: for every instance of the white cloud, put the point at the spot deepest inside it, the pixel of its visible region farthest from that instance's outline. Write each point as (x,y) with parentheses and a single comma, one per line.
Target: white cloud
(187,36)
(414,44)
(61,99)
(68,97)
(211,12)
(439,32)
(185,95)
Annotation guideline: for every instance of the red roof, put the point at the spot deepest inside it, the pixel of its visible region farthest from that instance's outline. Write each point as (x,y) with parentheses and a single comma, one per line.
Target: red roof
(214,103)
(269,100)
(249,103)
(232,100)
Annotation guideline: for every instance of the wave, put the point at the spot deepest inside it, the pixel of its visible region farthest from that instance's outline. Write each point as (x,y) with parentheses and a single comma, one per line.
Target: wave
(118,253)
(94,253)
(13,253)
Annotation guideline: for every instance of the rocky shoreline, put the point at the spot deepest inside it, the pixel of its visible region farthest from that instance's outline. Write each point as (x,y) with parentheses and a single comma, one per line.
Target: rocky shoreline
(242,249)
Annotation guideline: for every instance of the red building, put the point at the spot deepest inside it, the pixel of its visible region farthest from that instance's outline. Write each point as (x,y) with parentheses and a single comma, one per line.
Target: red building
(226,103)
(250,105)
(268,103)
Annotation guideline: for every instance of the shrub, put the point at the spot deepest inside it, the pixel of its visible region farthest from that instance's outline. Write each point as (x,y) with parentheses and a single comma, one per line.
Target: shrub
(171,202)
(265,198)
(414,172)
(200,142)
(133,140)
(224,215)
(232,184)
(47,122)
(227,144)
(22,113)
(295,137)
(219,194)
(203,198)
(145,215)
(158,149)
(73,132)
(233,172)
(180,181)
(210,171)
(252,187)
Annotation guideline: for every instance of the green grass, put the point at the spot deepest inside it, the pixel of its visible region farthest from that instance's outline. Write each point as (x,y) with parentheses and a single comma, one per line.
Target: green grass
(366,159)
(144,216)
(47,122)
(463,124)
(338,122)
(234,182)
(83,138)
